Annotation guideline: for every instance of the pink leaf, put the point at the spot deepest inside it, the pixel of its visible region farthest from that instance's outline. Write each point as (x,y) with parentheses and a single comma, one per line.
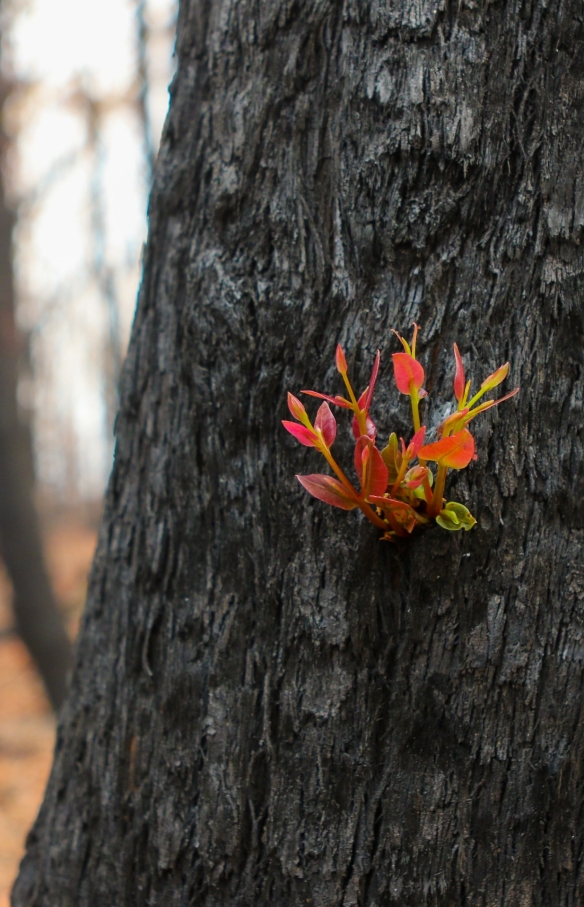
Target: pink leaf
(407,371)
(327,489)
(459,379)
(326,422)
(302,434)
(370,467)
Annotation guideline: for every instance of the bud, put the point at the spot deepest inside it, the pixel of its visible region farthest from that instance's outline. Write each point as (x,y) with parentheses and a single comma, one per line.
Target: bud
(296,407)
(496,378)
(459,382)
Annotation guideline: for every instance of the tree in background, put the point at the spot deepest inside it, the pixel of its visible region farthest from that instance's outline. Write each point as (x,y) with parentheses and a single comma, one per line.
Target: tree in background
(81,193)
(269,705)
(37,617)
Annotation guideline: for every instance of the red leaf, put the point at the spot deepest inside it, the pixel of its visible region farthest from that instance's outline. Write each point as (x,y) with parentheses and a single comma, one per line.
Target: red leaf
(327,489)
(362,442)
(372,381)
(459,380)
(302,434)
(338,401)
(406,519)
(407,370)
(415,477)
(326,422)
(416,442)
(378,472)
(388,503)
(370,467)
(456,452)
(362,399)
(370,425)
(399,513)
(341,362)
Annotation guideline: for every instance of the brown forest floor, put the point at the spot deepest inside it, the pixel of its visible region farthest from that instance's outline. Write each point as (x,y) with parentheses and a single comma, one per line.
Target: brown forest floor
(27,727)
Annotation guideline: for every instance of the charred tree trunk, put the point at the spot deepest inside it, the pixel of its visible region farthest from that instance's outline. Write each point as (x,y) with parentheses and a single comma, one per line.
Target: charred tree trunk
(270,706)
(35,611)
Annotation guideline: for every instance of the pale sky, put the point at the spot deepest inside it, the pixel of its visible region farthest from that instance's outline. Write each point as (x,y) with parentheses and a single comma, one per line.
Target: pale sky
(78,172)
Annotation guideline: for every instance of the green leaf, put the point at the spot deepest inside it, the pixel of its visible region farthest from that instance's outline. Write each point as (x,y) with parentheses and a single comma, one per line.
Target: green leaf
(449,521)
(419,492)
(392,457)
(455,516)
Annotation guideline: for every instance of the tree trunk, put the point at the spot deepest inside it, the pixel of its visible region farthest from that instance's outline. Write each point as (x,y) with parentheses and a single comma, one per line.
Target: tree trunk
(35,611)
(271,706)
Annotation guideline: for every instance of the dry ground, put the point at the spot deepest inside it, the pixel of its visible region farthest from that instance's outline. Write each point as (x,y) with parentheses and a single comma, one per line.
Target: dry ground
(27,727)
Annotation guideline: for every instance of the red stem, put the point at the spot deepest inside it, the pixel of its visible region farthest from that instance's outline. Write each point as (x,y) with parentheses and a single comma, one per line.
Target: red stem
(361,504)
(438,496)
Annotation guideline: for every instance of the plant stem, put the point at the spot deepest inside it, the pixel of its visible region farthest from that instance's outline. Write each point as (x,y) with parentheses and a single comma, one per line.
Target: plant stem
(438,496)
(415,406)
(361,416)
(427,489)
(415,400)
(400,476)
(349,487)
(372,516)
(399,530)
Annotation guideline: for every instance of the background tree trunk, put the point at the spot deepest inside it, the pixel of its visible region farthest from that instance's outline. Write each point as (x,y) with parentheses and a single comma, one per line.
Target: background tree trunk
(270,706)
(36,614)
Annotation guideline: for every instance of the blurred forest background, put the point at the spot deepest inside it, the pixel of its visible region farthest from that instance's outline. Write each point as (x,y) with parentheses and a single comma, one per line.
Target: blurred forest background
(83,95)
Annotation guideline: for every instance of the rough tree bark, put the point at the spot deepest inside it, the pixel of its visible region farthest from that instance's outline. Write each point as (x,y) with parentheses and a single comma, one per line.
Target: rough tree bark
(269,705)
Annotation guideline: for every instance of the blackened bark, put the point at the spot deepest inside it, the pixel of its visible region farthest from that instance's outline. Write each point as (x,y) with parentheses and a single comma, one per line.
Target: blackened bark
(270,706)
(36,614)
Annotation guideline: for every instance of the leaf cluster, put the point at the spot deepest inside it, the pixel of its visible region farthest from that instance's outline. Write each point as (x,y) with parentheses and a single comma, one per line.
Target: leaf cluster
(397,490)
